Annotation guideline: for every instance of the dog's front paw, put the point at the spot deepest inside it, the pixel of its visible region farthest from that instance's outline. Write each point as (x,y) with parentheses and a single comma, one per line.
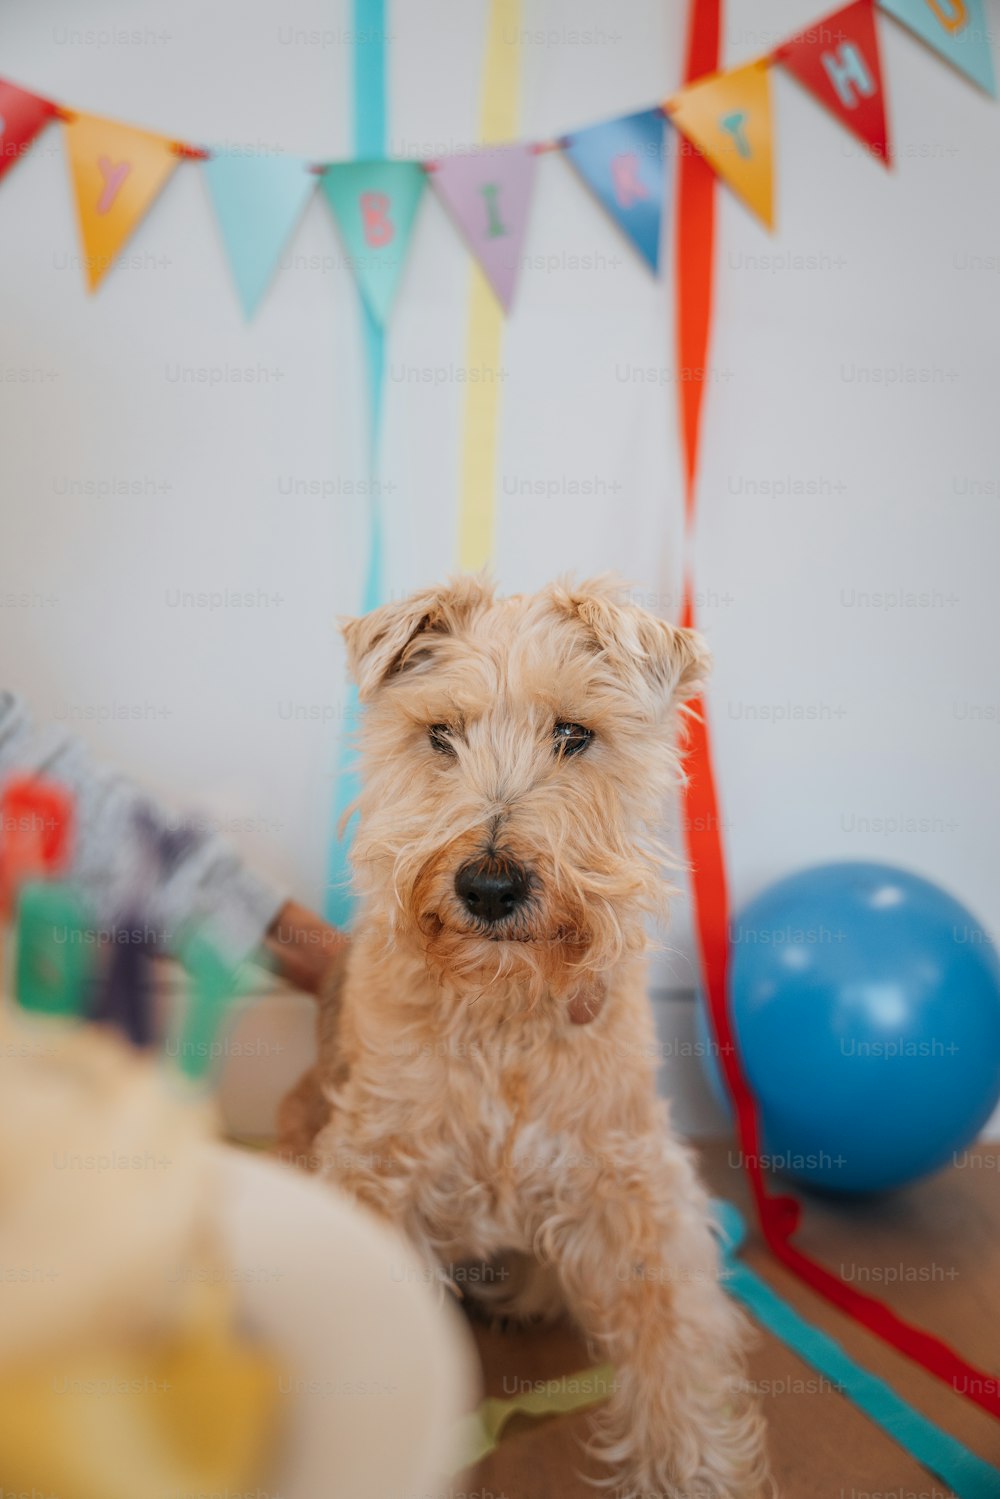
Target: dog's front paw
(660,1443)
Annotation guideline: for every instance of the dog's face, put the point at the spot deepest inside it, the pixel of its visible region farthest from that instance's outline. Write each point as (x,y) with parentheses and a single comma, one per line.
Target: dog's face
(516,754)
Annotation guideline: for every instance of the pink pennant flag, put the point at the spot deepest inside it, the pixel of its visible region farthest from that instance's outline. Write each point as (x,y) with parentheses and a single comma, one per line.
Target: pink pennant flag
(488,194)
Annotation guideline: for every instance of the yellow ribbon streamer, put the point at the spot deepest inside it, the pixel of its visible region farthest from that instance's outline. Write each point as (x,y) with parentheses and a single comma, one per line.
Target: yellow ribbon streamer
(498,123)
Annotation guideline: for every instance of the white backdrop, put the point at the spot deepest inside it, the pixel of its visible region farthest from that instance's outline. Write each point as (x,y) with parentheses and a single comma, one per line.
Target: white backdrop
(850,448)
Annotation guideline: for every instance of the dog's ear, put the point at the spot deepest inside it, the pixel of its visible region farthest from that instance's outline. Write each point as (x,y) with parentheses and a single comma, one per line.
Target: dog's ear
(673,661)
(400,637)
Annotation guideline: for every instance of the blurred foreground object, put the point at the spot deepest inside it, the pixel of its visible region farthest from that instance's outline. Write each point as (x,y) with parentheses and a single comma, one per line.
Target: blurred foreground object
(122,1369)
(180,1318)
(126,851)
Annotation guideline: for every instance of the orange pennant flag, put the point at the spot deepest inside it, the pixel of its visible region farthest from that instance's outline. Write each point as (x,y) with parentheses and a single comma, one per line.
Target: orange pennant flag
(728,117)
(117,172)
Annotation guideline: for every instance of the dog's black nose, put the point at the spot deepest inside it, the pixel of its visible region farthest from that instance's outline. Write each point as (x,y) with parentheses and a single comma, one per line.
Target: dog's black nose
(491,888)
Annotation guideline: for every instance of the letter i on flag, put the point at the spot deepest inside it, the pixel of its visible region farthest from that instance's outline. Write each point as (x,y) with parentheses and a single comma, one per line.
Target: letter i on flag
(624,163)
(22,116)
(488,194)
(728,117)
(956,29)
(116,172)
(374,204)
(837,59)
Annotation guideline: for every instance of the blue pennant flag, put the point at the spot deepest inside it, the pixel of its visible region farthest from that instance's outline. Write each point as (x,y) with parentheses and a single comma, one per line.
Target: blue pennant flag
(258,201)
(956,29)
(624,162)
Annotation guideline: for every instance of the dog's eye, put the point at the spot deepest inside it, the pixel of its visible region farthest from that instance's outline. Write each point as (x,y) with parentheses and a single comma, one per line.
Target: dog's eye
(571,738)
(439,735)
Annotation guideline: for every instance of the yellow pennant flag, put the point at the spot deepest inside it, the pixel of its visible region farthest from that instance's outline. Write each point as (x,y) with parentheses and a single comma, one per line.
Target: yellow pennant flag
(728,117)
(117,172)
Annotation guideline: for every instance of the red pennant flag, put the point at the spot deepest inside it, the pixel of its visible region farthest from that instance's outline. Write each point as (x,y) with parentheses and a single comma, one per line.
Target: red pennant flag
(837,59)
(22,115)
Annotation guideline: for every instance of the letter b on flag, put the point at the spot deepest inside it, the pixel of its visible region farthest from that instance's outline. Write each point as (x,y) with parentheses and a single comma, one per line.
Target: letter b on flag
(376,224)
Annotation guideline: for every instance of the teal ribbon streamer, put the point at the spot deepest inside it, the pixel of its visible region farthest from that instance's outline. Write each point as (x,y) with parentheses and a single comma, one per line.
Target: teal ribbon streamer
(961,1470)
(370,132)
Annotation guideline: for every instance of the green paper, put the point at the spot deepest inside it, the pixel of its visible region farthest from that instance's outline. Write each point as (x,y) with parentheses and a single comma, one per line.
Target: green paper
(479,1433)
(213,984)
(54,949)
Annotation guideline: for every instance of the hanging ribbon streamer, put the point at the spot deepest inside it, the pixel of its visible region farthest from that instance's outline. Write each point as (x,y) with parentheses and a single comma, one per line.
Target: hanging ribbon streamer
(498,123)
(370,140)
(963,1472)
(778,1215)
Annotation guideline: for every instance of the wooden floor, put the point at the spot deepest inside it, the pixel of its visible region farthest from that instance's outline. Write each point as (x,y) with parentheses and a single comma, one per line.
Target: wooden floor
(939,1241)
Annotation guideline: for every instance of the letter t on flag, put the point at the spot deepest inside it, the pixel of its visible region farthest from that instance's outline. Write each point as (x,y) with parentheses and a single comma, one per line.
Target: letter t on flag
(838,61)
(728,117)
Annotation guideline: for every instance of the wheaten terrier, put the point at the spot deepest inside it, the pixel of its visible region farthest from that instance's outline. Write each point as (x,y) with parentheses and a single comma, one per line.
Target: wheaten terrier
(486,1070)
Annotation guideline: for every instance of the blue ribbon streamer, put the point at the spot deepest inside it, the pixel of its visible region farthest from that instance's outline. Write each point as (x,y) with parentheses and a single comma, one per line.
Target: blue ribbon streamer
(370,132)
(964,1473)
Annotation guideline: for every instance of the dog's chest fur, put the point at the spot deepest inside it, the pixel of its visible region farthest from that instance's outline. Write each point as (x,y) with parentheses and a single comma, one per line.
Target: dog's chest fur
(480,1116)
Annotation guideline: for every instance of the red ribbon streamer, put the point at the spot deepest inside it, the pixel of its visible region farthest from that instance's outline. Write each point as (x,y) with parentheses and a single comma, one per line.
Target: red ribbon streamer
(778,1216)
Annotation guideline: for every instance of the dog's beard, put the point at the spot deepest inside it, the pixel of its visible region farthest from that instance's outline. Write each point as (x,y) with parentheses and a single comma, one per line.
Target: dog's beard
(546,948)
(520,955)
(583,913)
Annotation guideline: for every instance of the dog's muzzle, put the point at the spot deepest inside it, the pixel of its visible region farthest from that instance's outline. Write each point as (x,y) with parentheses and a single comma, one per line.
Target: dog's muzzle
(492,888)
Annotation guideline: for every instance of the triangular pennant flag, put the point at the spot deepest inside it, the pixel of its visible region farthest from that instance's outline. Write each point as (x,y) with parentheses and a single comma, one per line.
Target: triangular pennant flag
(375,203)
(117,172)
(624,162)
(22,115)
(258,201)
(488,194)
(728,117)
(837,59)
(957,29)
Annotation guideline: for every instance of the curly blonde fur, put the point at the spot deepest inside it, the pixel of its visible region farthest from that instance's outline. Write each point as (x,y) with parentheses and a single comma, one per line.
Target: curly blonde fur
(489,1088)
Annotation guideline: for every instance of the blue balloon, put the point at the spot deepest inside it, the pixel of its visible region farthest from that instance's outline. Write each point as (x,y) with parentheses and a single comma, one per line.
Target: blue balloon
(866,1007)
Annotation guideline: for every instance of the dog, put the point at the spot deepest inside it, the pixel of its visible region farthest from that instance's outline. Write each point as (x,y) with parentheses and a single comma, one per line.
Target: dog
(485,1079)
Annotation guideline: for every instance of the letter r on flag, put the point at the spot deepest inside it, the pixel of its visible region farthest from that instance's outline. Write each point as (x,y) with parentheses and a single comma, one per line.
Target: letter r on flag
(625,179)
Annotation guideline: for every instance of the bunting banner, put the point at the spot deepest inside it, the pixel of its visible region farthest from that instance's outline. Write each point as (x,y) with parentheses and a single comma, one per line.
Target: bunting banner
(22,116)
(488,194)
(117,171)
(838,61)
(374,204)
(728,117)
(258,201)
(956,29)
(624,163)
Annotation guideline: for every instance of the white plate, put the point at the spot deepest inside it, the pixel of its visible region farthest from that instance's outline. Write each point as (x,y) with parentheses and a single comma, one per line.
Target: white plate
(380,1370)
